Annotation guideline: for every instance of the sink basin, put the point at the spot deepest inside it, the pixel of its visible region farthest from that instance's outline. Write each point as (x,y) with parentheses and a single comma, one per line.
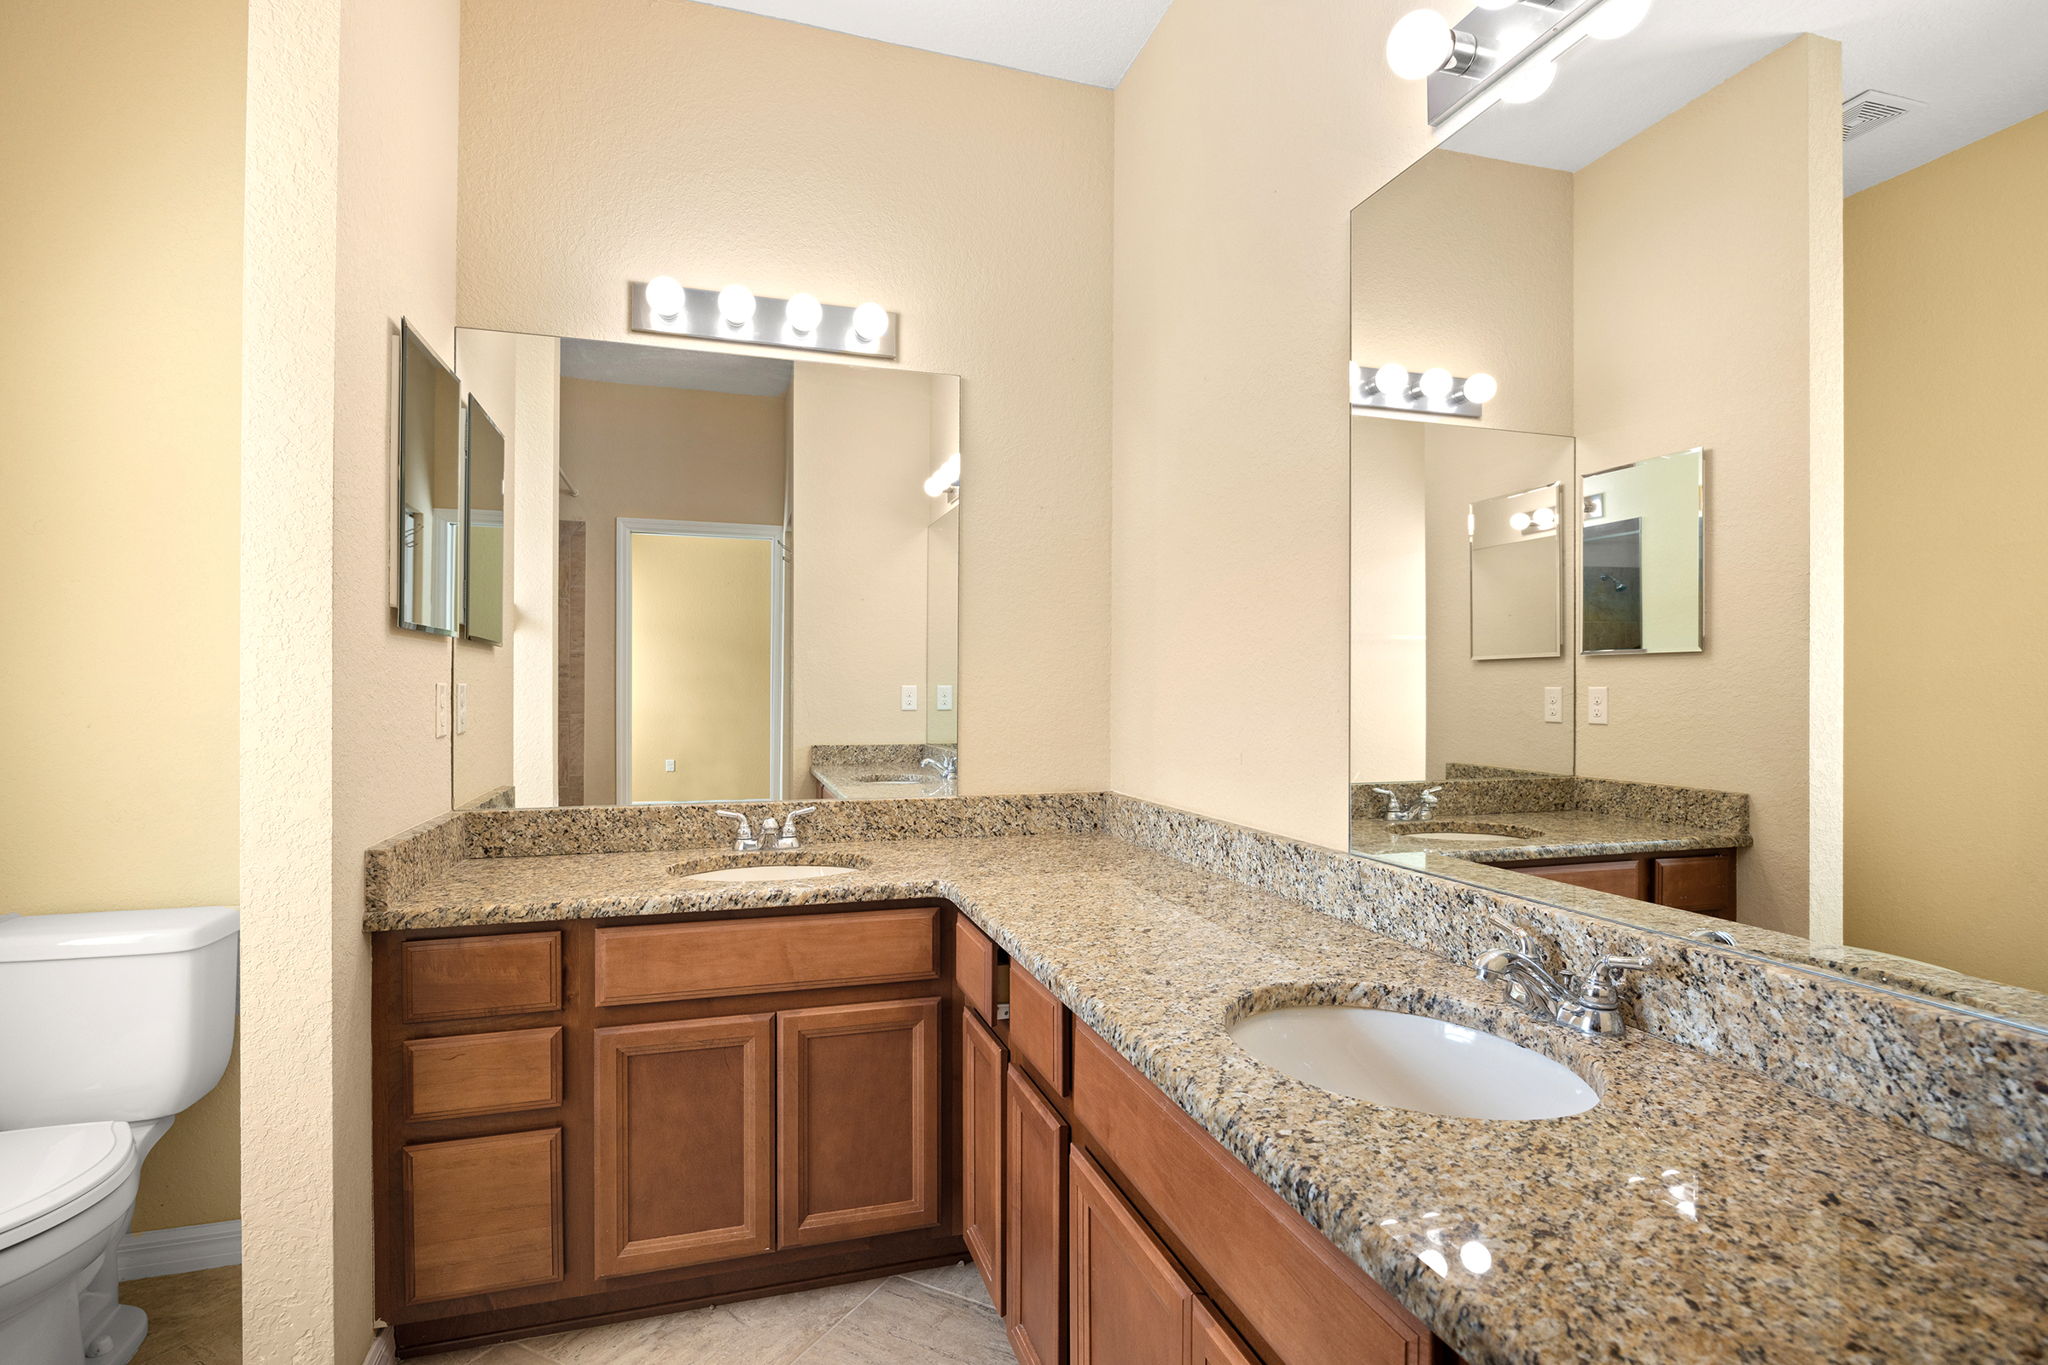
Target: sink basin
(766,874)
(1467,832)
(1408,1061)
(767,866)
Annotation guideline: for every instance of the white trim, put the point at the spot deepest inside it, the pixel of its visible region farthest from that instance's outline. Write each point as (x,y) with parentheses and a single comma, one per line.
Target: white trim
(622,631)
(383,1349)
(173,1251)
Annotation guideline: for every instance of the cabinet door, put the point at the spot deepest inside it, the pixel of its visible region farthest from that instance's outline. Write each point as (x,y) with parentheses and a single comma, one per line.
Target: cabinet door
(1630,878)
(1215,1343)
(1035,1224)
(684,1145)
(857,1120)
(982,1060)
(482,1214)
(1131,1306)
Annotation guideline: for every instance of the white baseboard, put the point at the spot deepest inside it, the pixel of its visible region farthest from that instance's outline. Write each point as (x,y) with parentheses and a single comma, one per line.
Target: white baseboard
(383,1350)
(173,1251)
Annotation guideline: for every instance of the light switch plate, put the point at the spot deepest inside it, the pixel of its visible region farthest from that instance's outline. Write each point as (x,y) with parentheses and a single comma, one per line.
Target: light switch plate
(1596,706)
(442,710)
(943,696)
(910,696)
(668,765)
(462,708)
(1553,705)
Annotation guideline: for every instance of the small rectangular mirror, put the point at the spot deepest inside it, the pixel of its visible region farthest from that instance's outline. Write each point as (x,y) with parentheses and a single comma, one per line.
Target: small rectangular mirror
(483,527)
(1642,556)
(1517,576)
(429,489)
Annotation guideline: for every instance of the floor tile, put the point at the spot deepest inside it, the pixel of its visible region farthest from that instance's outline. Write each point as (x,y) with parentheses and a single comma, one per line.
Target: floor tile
(505,1353)
(903,1323)
(194,1319)
(962,1281)
(771,1331)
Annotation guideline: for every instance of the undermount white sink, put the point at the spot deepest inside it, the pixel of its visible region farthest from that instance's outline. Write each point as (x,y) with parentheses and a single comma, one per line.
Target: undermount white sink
(1408,1061)
(1467,838)
(765,874)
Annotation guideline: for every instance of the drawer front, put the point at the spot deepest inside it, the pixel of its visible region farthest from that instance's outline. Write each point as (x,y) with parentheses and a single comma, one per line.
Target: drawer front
(1703,884)
(747,957)
(1040,1029)
(477,978)
(974,967)
(1629,878)
(482,1073)
(482,1214)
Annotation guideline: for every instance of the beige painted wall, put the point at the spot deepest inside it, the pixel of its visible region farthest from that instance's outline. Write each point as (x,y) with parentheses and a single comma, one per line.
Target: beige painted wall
(973,200)
(1948,569)
(348,225)
(121,461)
(1389,603)
(701,667)
(942,626)
(1466,262)
(1242,144)
(636,450)
(1668,359)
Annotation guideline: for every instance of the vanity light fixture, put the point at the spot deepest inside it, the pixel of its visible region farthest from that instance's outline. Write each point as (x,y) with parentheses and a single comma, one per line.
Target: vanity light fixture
(945,479)
(1495,53)
(1392,388)
(665,307)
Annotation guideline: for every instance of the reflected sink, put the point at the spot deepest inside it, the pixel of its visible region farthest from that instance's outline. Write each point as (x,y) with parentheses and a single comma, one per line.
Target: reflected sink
(767,867)
(905,778)
(1407,1061)
(766,874)
(1466,832)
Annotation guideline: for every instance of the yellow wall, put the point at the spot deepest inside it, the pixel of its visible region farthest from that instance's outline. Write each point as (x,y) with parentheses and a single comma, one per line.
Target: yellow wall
(1948,566)
(701,667)
(1722,354)
(972,199)
(121,142)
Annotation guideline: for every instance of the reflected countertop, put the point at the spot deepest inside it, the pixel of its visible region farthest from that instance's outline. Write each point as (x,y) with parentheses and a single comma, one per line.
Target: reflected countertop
(1550,834)
(879,782)
(1699,1213)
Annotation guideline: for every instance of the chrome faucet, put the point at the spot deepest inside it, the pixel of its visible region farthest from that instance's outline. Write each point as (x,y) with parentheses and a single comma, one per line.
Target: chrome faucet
(786,841)
(946,767)
(1592,1008)
(746,842)
(1398,814)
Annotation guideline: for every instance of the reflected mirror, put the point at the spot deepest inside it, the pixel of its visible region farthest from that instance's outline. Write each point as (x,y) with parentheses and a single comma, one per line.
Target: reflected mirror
(483,526)
(751,585)
(429,505)
(1747,721)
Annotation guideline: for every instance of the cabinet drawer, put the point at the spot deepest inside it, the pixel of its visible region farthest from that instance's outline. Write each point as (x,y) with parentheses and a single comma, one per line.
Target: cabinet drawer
(1040,1029)
(482,1073)
(1630,878)
(482,1214)
(747,957)
(1703,884)
(476,978)
(974,967)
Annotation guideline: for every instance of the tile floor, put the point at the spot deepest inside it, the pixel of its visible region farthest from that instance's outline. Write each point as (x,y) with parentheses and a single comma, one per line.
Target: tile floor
(928,1317)
(194,1319)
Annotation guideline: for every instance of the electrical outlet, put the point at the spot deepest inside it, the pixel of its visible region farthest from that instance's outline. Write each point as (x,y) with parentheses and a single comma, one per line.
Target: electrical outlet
(910,696)
(668,765)
(1553,705)
(1596,706)
(943,696)
(462,708)
(442,709)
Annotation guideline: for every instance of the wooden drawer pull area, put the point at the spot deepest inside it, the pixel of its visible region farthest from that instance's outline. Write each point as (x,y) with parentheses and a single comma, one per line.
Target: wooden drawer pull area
(482,1073)
(482,1214)
(483,976)
(1040,1029)
(747,957)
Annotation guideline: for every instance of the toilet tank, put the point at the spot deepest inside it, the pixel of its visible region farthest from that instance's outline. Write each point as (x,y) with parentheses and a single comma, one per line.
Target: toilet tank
(119,1014)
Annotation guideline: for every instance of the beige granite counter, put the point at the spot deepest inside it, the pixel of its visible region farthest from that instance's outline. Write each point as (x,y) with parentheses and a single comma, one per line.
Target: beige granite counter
(882,772)
(1543,834)
(1701,1212)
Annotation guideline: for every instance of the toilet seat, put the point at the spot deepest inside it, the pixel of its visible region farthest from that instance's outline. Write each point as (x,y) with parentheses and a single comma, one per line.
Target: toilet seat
(48,1175)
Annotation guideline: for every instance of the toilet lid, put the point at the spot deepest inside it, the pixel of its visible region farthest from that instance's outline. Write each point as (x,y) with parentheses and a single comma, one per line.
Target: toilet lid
(49,1174)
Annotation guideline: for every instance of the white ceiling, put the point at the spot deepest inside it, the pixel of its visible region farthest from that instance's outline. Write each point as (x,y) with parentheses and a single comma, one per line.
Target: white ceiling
(1980,65)
(668,367)
(1090,41)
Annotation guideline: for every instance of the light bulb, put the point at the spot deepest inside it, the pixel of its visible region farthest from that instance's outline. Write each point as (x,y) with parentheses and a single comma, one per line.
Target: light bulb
(1616,18)
(1519,521)
(1390,380)
(1481,388)
(1546,518)
(1529,82)
(944,477)
(804,313)
(1435,384)
(736,305)
(1420,43)
(665,297)
(871,322)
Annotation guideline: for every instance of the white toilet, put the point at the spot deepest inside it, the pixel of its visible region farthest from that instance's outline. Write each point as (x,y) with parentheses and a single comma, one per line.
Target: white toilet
(111,1024)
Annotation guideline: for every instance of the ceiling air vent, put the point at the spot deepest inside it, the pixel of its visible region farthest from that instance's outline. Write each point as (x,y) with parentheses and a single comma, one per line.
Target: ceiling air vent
(1874,109)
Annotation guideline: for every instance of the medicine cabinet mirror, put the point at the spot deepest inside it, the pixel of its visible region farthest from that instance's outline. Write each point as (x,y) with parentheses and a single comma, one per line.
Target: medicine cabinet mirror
(1642,629)
(428,534)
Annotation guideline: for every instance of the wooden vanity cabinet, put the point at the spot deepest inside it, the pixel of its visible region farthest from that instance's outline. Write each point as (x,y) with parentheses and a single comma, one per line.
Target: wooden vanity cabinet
(1035,1224)
(1701,882)
(984,1064)
(1131,1304)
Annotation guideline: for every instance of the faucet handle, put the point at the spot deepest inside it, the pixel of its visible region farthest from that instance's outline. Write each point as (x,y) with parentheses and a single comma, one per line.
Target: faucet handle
(1604,980)
(1524,944)
(746,829)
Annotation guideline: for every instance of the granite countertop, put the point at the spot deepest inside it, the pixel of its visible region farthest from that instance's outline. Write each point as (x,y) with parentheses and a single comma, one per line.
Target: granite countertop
(1550,834)
(1699,1213)
(855,781)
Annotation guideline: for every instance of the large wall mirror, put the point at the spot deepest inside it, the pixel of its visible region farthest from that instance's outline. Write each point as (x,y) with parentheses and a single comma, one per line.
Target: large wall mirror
(749,585)
(427,536)
(1608,647)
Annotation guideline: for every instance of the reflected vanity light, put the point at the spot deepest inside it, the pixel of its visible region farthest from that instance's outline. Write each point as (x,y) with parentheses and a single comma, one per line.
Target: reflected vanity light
(944,479)
(1502,51)
(1393,388)
(665,307)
